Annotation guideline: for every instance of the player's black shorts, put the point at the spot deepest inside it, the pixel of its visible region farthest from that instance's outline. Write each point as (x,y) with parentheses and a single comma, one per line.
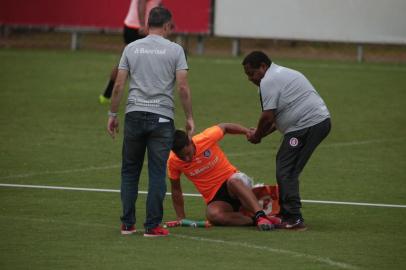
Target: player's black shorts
(223,195)
(131,34)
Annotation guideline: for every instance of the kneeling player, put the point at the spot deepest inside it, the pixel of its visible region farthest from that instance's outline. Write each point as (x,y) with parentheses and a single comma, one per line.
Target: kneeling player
(223,188)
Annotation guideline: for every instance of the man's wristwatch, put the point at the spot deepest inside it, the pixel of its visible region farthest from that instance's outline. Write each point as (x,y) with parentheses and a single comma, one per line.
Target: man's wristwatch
(112,114)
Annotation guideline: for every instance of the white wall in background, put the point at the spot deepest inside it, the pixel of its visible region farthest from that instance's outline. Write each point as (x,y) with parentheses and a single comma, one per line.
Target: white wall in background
(360,21)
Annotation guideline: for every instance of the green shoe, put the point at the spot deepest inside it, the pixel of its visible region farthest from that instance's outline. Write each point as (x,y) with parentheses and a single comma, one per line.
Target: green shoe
(103,100)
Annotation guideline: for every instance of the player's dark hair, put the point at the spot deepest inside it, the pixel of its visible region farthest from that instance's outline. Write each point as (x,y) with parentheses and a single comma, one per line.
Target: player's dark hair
(256,58)
(158,16)
(180,140)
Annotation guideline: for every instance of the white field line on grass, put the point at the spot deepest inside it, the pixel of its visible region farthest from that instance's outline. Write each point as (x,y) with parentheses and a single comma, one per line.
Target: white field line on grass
(196,195)
(257,152)
(294,254)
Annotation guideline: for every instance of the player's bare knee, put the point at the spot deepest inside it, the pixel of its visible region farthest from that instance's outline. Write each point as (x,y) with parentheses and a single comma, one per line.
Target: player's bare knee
(241,178)
(216,217)
(233,182)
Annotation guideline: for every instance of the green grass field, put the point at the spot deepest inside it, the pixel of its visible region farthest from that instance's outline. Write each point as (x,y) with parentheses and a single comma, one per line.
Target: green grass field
(53,134)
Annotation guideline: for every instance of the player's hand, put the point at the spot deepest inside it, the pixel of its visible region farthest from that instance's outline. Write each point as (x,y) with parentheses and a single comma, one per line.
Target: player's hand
(250,133)
(252,137)
(254,140)
(190,127)
(112,126)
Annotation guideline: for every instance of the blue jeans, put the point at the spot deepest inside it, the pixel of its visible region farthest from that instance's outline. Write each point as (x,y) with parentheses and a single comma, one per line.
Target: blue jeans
(143,131)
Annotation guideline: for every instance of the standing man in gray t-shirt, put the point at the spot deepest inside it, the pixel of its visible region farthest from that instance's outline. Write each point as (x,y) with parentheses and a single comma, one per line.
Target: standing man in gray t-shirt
(292,105)
(153,64)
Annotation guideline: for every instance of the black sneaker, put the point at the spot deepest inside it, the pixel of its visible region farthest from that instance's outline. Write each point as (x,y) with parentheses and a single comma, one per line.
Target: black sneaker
(292,224)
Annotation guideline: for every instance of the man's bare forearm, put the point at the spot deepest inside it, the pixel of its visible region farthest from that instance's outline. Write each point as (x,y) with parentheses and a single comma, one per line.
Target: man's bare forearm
(178,205)
(231,128)
(265,125)
(118,90)
(142,6)
(186,101)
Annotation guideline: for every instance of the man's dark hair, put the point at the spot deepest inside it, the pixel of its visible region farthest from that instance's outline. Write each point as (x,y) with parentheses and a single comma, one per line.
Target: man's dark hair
(158,16)
(180,140)
(256,58)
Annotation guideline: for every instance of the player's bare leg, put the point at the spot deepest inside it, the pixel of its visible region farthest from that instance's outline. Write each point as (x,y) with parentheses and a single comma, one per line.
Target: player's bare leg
(238,189)
(105,97)
(244,194)
(222,213)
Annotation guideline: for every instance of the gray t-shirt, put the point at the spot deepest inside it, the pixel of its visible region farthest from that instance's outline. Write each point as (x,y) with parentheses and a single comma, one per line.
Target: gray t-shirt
(152,63)
(293,99)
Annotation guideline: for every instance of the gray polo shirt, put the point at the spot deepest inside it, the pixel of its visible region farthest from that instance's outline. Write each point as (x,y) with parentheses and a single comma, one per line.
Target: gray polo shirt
(293,99)
(152,63)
